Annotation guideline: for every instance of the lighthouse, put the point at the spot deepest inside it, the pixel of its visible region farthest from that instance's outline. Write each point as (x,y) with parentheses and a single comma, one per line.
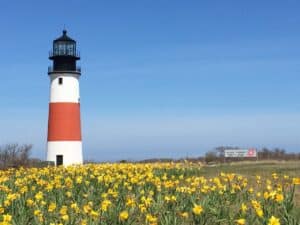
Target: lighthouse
(64,144)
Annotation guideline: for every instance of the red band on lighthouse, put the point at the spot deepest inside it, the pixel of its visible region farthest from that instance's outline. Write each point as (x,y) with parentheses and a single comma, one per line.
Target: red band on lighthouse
(64,122)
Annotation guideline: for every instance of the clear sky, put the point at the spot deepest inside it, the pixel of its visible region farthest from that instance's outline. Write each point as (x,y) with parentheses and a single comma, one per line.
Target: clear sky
(159,78)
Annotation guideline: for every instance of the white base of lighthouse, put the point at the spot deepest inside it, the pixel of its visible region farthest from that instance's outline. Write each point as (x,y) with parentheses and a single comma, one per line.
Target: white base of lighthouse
(65,152)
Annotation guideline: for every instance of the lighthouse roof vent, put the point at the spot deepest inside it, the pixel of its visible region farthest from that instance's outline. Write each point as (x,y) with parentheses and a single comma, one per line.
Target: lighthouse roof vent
(64,37)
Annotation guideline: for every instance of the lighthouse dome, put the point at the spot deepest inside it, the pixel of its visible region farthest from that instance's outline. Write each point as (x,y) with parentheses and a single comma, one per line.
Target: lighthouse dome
(64,46)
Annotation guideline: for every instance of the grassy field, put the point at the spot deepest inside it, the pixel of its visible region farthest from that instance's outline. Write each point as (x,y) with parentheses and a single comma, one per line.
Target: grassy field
(291,168)
(262,168)
(152,194)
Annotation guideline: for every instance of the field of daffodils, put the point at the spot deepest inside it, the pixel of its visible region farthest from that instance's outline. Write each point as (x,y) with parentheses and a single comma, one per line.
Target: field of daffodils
(144,194)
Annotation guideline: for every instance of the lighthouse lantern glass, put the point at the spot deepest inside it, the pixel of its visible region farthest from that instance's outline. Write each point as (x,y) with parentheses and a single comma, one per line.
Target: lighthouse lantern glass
(64,48)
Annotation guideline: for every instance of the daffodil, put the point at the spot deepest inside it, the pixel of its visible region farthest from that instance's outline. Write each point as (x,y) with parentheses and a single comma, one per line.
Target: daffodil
(273,221)
(240,221)
(123,215)
(197,210)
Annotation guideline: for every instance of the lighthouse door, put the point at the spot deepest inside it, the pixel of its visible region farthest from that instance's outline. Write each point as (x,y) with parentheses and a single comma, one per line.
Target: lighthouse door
(59,160)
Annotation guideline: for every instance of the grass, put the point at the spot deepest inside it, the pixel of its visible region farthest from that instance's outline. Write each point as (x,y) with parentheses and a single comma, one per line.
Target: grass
(254,168)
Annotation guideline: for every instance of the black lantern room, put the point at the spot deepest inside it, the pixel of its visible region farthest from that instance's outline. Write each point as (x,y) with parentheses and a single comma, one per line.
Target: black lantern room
(64,55)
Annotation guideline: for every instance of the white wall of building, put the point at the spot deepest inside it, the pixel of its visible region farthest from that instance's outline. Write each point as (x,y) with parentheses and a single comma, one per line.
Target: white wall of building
(71,151)
(68,91)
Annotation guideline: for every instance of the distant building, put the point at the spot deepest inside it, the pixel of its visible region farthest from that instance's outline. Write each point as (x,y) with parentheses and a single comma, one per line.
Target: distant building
(64,145)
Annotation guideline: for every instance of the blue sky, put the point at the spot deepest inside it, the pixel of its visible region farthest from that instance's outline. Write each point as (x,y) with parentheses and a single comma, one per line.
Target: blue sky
(160,78)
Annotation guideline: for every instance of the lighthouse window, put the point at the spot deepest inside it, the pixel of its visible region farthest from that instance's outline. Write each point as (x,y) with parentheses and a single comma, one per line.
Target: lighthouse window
(62,49)
(60,81)
(70,49)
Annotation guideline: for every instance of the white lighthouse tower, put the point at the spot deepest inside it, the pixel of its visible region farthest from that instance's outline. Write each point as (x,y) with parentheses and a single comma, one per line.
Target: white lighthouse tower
(64,126)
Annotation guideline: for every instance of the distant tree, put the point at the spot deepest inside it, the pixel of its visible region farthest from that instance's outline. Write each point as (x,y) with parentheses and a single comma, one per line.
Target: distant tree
(279,153)
(14,155)
(264,153)
(211,157)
